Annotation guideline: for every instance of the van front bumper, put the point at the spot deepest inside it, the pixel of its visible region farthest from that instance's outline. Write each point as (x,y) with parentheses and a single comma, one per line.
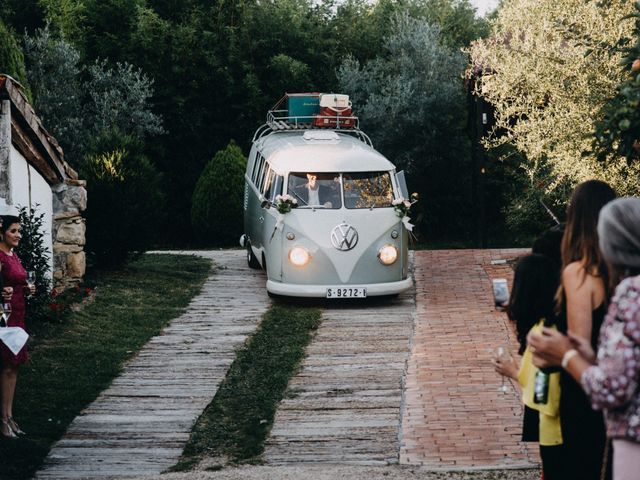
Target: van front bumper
(373,289)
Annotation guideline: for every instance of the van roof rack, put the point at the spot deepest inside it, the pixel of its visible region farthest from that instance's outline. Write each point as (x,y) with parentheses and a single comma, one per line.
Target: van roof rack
(286,119)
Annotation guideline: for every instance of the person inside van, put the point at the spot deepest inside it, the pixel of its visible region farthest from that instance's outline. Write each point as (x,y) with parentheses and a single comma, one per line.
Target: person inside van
(316,193)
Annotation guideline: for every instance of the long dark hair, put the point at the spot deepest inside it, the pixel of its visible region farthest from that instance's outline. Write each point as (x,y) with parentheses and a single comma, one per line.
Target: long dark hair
(535,282)
(580,239)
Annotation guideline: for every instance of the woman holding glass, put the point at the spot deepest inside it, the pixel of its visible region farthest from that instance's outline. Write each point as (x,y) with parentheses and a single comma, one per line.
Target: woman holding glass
(14,276)
(581,306)
(612,379)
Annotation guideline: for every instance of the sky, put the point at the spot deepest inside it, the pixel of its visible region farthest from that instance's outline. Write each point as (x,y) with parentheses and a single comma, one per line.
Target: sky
(484,6)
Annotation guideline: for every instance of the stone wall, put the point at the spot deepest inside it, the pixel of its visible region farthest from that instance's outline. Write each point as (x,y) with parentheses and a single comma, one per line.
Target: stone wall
(69,261)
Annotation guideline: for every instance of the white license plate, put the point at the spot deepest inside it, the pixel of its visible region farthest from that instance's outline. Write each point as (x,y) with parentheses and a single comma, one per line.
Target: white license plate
(346,292)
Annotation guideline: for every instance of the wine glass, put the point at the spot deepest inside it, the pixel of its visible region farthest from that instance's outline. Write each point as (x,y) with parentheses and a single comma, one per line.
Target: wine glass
(504,355)
(6,311)
(31,280)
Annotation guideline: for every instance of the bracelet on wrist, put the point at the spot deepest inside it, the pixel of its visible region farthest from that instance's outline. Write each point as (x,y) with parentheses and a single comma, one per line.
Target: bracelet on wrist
(569,354)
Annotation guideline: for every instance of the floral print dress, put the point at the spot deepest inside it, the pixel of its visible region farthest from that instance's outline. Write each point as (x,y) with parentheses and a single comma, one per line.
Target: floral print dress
(613,385)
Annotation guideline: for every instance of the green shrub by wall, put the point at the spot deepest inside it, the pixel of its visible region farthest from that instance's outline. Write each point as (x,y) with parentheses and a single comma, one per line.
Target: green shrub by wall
(216,207)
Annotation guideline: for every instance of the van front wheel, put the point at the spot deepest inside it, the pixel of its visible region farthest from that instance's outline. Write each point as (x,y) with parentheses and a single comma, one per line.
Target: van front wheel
(251,258)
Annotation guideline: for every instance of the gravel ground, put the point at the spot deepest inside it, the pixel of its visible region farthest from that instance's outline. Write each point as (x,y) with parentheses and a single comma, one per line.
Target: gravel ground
(351,472)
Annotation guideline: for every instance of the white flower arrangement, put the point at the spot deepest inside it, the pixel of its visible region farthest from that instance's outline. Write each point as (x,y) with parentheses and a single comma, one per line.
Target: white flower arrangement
(285,203)
(402,207)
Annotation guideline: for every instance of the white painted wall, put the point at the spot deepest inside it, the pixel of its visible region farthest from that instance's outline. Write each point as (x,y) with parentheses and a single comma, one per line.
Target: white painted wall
(29,189)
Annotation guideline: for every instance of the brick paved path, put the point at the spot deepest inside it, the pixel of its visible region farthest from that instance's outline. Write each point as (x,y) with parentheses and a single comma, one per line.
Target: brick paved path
(454,416)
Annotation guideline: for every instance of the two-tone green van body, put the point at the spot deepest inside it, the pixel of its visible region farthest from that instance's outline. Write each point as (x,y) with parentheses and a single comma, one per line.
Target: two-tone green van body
(344,239)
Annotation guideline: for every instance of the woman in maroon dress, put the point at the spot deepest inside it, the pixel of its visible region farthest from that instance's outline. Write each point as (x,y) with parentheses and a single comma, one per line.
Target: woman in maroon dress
(15,277)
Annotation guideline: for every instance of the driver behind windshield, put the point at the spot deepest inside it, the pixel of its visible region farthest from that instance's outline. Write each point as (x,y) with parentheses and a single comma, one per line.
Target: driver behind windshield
(318,192)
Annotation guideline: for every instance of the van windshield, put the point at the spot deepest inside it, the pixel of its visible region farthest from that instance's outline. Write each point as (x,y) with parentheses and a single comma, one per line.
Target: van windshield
(317,190)
(323,190)
(367,189)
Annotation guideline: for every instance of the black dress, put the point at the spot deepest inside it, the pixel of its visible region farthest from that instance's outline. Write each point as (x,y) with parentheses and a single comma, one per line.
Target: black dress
(583,430)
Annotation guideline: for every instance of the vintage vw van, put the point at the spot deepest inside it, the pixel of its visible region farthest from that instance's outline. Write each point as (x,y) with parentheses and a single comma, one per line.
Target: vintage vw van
(318,212)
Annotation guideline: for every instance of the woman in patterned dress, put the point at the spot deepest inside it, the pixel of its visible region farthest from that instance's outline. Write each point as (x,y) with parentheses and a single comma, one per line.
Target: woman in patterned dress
(612,378)
(14,276)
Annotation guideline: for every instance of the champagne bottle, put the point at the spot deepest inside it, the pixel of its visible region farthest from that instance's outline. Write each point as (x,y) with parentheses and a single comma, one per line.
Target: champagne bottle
(541,380)
(541,387)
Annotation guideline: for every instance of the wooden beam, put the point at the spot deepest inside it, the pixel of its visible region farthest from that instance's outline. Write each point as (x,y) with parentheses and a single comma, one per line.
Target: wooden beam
(33,156)
(5,150)
(31,127)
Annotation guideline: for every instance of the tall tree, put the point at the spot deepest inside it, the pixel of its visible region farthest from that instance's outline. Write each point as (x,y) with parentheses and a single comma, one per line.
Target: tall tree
(547,72)
(22,15)
(411,101)
(11,56)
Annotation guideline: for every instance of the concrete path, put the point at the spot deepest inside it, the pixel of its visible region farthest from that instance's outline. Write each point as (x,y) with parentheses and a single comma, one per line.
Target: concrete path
(140,424)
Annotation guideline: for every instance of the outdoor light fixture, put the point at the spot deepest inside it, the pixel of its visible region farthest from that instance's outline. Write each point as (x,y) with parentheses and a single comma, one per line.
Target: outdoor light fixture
(299,256)
(388,254)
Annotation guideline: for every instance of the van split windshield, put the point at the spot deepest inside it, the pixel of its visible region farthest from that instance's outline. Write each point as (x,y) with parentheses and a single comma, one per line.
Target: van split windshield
(332,190)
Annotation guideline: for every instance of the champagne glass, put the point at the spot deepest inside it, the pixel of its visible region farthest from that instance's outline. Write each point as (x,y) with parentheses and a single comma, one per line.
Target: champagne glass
(6,311)
(504,355)
(31,280)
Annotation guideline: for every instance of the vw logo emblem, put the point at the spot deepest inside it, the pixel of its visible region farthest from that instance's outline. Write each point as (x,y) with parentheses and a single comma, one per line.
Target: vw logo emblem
(344,237)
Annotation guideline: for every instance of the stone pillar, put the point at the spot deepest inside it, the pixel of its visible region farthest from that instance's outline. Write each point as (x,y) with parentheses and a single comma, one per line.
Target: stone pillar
(5,151)
(69,262)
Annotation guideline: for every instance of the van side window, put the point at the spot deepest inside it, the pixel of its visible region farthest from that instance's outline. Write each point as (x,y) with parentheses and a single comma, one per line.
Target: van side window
(276,187)
(256,167)
(262,175)
(268,182)
(367,190)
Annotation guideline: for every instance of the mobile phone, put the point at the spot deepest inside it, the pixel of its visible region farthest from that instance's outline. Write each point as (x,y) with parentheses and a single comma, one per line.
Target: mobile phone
(500,293)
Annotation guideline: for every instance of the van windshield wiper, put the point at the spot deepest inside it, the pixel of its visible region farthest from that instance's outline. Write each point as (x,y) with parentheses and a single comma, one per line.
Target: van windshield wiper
(299,197)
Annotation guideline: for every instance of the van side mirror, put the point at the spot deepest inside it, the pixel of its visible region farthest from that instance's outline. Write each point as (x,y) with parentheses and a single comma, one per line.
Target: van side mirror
(402,184)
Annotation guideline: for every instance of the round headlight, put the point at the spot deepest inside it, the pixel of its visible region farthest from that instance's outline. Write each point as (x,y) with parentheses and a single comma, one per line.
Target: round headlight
(388,254)
(299,256)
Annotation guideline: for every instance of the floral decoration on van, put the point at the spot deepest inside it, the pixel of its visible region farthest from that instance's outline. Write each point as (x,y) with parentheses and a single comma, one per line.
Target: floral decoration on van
(402,207)
(285,203)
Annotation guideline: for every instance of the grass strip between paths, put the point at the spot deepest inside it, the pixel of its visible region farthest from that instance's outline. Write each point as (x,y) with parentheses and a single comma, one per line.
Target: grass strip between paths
(72,362)
(236,423)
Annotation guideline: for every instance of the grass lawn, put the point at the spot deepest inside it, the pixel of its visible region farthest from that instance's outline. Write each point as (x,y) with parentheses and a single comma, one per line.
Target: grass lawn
(236,423)
(73,361)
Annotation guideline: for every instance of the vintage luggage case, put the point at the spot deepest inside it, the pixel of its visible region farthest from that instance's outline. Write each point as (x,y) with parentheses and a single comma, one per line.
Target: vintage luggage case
(302,106)
(335,112)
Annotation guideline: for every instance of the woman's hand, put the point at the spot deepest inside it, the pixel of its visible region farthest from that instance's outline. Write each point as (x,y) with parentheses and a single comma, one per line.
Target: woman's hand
(583,346)
(7,293)
(506,368)
(548,347)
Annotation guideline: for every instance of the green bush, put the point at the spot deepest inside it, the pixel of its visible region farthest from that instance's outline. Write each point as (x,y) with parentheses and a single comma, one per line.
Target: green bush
(11,57)
(125,207)
(35,257)
(216,205)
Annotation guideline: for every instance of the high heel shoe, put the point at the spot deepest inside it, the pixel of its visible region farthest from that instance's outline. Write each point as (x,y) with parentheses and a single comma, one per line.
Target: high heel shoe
(15,428)
(6,431)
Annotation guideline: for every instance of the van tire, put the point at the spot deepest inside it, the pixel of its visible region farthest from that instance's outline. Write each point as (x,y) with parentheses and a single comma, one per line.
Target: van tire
(251,258)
